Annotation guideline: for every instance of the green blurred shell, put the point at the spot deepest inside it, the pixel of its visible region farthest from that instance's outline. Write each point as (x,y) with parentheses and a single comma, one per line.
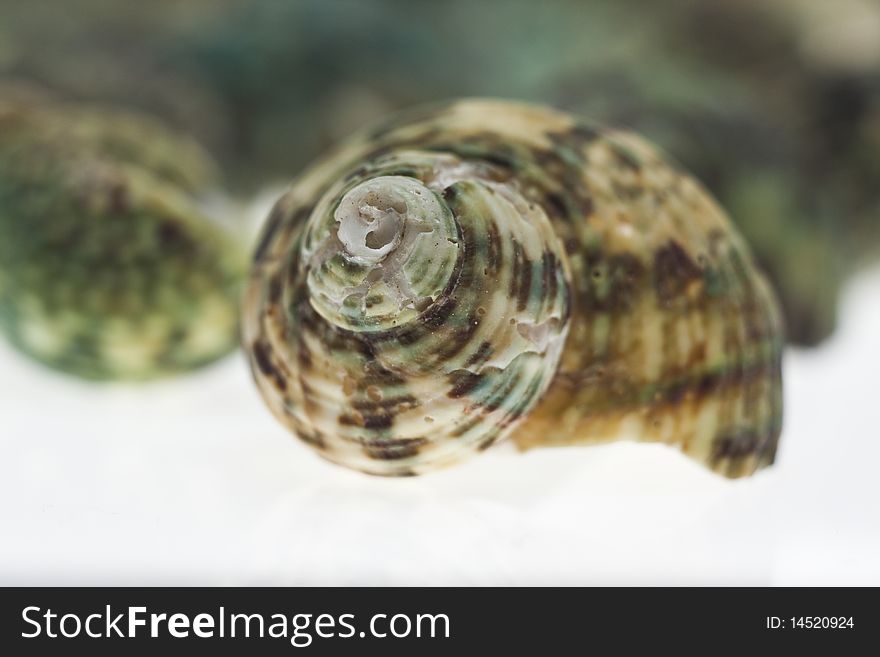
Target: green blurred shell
(109,265)
(573,287)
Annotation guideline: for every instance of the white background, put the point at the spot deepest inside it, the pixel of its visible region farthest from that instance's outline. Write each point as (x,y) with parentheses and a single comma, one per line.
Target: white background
(191,481)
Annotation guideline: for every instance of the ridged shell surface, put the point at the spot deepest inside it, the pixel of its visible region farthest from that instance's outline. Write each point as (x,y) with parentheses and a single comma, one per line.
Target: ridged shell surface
(485,269)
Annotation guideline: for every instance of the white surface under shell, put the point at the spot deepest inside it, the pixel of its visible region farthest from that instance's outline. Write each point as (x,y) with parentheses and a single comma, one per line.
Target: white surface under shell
(191,481)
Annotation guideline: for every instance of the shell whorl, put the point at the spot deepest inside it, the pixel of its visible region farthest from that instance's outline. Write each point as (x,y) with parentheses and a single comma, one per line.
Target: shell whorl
(484,269)
(425,307)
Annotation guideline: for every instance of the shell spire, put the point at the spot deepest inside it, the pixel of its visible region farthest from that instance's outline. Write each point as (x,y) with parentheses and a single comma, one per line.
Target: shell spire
(487,269)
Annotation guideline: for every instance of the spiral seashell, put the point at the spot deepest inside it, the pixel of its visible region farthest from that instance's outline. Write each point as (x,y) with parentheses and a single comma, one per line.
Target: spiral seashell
(112,263)
(486,269)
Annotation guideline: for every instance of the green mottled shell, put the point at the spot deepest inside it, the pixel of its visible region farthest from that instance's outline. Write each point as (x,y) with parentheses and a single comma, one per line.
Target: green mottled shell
(595,292)
(109,266)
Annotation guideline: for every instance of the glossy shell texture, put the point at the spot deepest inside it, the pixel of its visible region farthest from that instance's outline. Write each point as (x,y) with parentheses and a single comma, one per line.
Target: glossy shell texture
(483,269)
(112,265)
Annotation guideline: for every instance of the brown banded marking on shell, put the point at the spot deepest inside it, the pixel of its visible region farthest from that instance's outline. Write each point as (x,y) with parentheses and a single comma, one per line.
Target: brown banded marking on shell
(484,269)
